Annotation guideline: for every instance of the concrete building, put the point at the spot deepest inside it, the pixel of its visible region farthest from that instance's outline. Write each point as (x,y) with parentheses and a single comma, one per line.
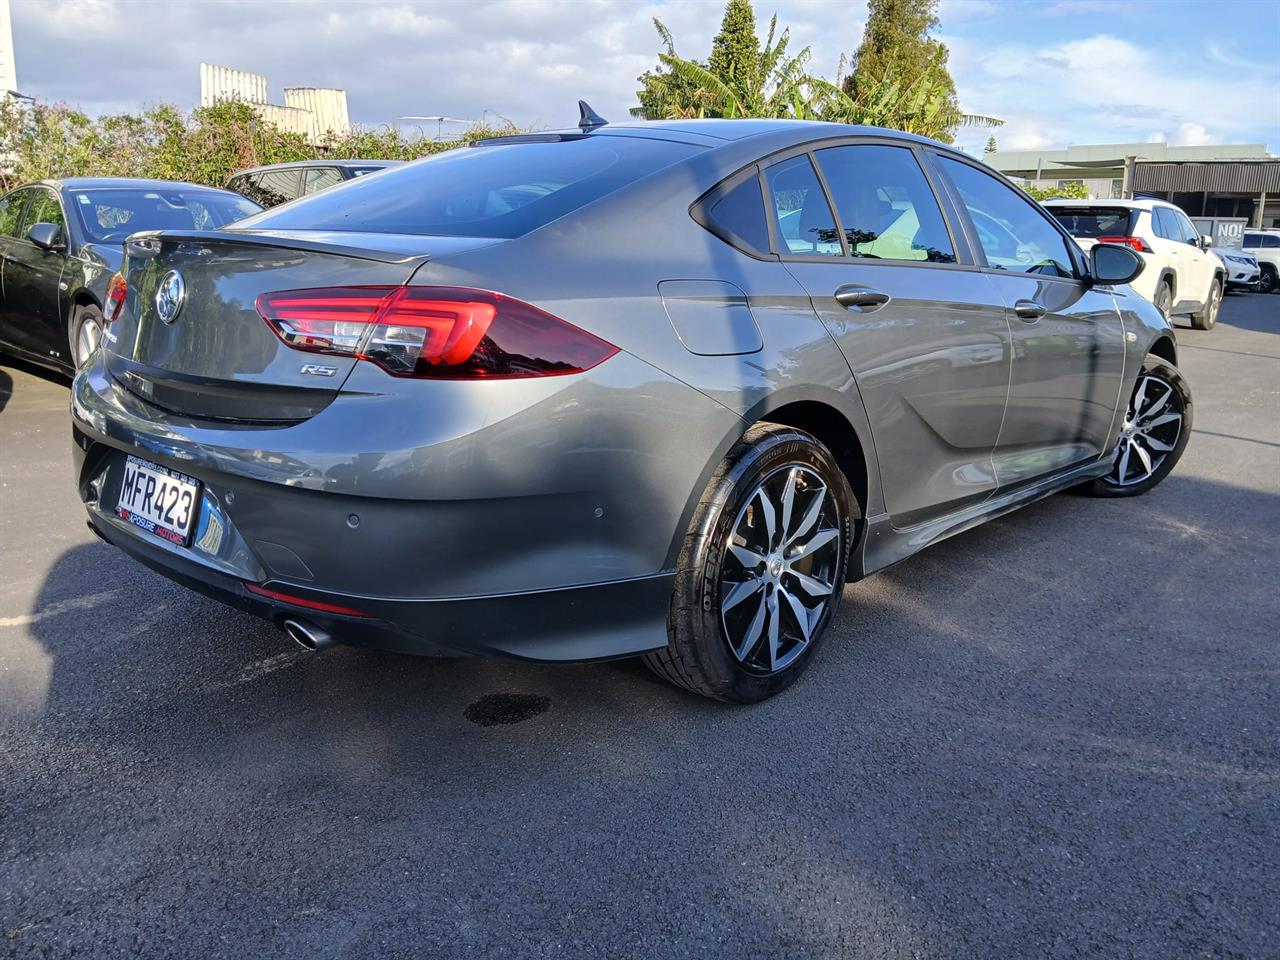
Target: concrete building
(1238,180)
(314,112)
(8,70)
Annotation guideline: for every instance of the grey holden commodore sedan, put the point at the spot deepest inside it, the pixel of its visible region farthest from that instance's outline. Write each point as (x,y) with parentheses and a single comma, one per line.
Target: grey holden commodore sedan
(641,389)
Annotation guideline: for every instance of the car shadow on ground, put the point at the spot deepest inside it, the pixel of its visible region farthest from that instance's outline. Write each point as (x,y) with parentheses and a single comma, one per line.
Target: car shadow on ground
(1035,706)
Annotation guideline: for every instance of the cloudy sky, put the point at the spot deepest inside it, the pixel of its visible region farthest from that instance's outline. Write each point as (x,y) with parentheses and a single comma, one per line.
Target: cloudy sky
(1075,71)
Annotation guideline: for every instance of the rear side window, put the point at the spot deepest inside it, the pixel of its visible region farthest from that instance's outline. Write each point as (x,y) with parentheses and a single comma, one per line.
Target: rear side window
(320,177)
(886,207)
(1015,234)
(736,215)
(491,190)
(800,210)
(1166,224)
(1093,222)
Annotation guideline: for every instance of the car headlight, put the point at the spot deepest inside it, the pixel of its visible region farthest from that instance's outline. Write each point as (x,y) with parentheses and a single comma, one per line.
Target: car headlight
(1247,261)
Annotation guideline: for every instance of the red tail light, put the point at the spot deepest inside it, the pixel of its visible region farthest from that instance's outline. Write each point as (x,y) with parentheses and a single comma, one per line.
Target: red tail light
(445,333)
(1137,243)
(116,291)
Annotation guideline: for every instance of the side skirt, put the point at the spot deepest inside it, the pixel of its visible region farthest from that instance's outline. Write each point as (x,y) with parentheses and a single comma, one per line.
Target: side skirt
(883,545)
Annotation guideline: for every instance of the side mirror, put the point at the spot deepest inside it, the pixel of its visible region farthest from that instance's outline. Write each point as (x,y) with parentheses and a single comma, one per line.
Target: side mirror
(1114,263)
(46,236)
(1206,241)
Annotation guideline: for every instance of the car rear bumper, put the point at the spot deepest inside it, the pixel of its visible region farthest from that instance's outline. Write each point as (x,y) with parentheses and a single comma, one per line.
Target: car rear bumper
(545,531)
(590,622)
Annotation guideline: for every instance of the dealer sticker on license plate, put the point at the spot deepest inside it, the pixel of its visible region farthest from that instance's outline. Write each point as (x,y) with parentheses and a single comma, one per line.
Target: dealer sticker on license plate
(159,500)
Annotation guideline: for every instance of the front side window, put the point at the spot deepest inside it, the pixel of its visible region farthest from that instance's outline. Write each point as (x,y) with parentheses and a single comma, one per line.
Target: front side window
(11,212)
(885,204)
(801,213)
(1015,235)
(320,177)
(1252,240)
(1188,229)
(44,208)
(277,186)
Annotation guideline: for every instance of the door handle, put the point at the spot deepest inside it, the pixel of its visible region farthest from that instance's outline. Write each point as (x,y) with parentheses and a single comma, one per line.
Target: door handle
(1029,310)
(861,299)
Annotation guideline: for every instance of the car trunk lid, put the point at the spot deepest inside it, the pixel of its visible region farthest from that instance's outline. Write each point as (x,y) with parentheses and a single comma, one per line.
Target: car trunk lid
(215,358)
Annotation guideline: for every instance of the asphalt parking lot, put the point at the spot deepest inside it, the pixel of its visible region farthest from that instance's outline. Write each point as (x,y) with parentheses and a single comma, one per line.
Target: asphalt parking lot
(1057,735)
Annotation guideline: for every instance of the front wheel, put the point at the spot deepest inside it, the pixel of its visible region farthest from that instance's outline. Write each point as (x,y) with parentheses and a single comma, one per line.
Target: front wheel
(1208,315)
(84,333)
(761,569)
(1267,281)
(1155,431)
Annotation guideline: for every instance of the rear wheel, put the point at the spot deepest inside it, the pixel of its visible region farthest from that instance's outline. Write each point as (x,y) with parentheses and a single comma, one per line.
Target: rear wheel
(84,332)
(761,570)
(1155,431)
(1208,315)
(1164,298)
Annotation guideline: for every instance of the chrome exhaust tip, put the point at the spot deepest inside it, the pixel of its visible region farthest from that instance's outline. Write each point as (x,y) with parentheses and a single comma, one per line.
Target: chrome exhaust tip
(308,636)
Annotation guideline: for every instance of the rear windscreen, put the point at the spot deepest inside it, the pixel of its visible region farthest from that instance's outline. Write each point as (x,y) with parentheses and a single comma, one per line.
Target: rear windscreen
(112,213)
(1093,221)
(496,190)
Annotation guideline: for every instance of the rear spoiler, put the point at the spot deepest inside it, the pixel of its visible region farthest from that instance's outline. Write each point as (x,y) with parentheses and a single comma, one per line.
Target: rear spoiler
(402,248)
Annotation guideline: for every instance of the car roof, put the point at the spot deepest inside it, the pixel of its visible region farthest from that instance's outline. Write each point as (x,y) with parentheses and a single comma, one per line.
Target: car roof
(1141,203)
(728,130)
(123,183)
(294,164)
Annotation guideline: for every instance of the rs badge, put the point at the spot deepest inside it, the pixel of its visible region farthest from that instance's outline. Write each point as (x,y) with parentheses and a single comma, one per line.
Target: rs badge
(318,370)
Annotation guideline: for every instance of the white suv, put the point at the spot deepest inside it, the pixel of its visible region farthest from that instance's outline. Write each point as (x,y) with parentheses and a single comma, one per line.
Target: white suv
(1181,276)
(1264,246)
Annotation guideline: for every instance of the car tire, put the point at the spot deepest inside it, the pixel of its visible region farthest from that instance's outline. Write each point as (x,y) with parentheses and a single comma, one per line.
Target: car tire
(1208,314)
(1267,281)
(1150,443)
(83,333)
(768,544)
(1164,297)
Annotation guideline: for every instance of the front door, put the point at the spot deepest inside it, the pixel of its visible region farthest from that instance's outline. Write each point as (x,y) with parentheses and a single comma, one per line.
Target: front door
(1068,337)
(925,336)
(35,303)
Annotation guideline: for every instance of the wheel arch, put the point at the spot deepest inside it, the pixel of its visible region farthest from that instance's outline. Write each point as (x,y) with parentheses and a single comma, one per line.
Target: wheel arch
(1164,348)
(834,431)
(835,421)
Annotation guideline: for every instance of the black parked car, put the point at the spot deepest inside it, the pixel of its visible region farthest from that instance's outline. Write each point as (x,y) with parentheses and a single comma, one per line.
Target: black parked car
(60,242)
(279,183)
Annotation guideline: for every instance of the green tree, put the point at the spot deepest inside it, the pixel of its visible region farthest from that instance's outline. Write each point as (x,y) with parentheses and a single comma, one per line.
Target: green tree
(735,51)
(896,45)
(991,146)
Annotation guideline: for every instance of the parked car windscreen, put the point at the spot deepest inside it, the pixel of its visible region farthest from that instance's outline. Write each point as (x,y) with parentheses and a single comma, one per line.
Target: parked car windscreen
(1092,222)
(490,190)
(111,214)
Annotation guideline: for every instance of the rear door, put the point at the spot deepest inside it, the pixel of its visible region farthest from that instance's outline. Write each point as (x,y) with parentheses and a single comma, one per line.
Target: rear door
(1068,338)
(923,331)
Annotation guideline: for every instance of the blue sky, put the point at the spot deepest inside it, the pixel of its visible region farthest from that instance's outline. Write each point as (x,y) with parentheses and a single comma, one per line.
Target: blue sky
(1073,71)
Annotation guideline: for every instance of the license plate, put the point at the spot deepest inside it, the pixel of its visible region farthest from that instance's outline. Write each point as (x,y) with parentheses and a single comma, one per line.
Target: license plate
(159,500)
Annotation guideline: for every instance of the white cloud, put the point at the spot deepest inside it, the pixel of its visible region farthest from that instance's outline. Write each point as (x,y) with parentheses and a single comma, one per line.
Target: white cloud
(1194,135)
